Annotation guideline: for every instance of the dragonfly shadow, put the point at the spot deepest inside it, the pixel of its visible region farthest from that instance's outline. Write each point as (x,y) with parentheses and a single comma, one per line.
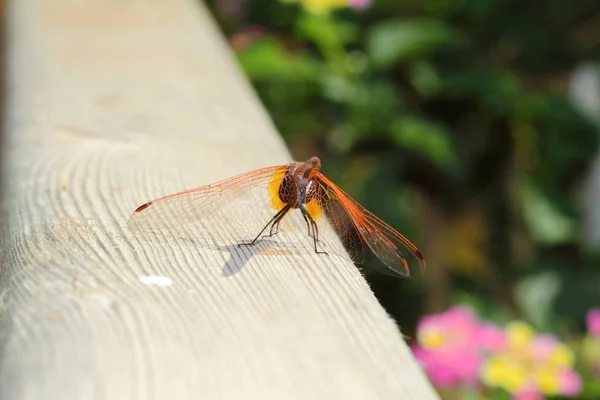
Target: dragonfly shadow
(239,256)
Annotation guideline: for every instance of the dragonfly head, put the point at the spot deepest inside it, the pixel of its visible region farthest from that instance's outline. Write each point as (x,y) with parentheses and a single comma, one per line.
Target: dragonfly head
(312,166)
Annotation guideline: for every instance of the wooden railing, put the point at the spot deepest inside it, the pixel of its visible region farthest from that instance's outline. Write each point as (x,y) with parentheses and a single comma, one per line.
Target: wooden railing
(107,105)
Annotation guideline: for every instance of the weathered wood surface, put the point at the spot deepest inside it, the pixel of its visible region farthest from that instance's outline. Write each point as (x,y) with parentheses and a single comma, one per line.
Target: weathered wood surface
(109,104)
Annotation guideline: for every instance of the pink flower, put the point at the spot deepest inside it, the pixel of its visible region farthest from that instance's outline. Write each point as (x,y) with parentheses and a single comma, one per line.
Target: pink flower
(591,343)
(543,346)
(491,337)
(449,368)
(593,322)
(359,4)
(529,394)
(451,346)
(570,383)
(456,327)
(244,39)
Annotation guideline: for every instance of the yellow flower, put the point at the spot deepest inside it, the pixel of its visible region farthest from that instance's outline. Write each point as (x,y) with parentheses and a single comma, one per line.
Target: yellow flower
(320,6)
(591,349)
(501,371)
(562,356)
(530,362)
(519,334)
(432,339)
(547,380)
(493,371)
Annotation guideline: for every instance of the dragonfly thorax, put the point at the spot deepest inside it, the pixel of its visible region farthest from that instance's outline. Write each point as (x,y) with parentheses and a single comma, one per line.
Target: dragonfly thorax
(296,191)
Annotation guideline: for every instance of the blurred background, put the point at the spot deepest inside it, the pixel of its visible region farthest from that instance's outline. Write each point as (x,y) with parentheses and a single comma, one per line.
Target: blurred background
(472,127)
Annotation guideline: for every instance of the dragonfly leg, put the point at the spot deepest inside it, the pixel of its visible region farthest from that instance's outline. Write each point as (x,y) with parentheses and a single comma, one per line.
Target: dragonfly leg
(274,221)
(315,230)
(313,233)
(274,228)
(308,226)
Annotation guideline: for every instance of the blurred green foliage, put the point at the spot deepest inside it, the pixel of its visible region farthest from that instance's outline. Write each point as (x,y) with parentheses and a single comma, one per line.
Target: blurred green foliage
(450,120)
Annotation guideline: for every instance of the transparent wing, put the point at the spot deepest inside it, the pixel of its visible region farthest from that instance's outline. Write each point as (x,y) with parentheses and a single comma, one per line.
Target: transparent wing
(235,208)
(359,230)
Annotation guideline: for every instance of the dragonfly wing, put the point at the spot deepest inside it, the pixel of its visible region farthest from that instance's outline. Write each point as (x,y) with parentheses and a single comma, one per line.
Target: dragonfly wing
(339,220)
(359,228)
(238,202)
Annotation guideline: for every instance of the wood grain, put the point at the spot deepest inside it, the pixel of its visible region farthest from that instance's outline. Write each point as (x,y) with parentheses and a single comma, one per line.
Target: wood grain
(110,104)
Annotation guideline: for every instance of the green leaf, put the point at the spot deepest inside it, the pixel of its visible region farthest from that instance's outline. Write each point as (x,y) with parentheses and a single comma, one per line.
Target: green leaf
(325,30)
(425,137)
(391,42)
(339,89)
(536,295)
(267,59)
(546,223)
(425,79)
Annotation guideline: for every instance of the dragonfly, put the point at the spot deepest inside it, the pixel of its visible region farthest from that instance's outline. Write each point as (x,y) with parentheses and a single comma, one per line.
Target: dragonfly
(242,199)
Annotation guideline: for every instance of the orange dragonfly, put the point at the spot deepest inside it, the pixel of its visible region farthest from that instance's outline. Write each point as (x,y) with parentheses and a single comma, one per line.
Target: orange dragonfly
(237,204)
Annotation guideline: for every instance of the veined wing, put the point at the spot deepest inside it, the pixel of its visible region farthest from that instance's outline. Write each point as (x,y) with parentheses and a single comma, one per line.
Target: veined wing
(180,209)
(360,229)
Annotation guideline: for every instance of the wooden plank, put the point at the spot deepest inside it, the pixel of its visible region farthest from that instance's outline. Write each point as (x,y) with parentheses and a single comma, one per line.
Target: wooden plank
(110,104)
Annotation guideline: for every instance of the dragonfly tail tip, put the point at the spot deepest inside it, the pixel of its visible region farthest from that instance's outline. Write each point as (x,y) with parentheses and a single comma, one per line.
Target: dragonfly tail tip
(143,207)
